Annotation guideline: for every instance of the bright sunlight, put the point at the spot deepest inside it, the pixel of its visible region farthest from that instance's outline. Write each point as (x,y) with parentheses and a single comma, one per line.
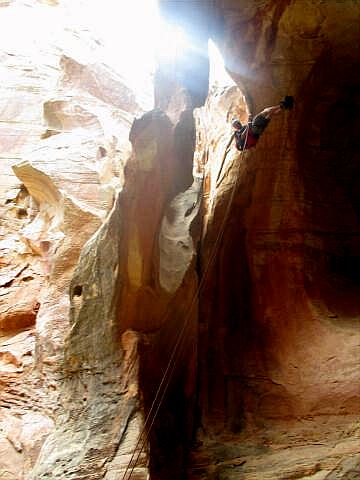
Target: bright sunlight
(128,35)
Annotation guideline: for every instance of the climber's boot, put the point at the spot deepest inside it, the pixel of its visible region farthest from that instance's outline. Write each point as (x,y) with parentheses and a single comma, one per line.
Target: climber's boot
(287,103)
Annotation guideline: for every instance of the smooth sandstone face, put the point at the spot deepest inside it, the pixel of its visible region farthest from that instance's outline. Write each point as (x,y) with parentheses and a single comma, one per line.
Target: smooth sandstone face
(103,244)
(279,349)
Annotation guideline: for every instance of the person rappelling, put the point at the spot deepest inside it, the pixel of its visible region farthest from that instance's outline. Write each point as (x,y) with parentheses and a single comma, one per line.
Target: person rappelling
(247,136)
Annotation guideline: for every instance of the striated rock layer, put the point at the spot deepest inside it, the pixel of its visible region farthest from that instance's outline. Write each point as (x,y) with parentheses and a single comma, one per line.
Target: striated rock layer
(112,276)
(64,143)
(111,362)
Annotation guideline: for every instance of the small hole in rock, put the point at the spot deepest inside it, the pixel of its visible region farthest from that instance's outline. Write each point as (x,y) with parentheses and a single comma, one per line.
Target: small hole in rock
(21,212)
(191,209)
(77,292)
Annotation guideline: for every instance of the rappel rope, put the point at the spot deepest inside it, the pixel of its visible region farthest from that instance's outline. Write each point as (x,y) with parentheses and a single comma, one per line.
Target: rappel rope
(227,149)
(164,384)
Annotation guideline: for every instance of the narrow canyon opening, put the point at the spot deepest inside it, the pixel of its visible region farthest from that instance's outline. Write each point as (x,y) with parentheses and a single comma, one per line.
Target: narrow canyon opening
(171,307)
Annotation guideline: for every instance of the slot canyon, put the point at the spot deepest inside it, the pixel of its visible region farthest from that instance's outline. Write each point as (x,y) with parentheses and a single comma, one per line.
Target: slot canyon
(172,308)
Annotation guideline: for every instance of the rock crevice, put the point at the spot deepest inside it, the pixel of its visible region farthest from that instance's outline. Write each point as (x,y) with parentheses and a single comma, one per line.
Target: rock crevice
(137,274)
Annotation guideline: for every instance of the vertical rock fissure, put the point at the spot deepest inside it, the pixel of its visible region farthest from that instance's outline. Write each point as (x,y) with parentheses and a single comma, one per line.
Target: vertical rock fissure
(266,381)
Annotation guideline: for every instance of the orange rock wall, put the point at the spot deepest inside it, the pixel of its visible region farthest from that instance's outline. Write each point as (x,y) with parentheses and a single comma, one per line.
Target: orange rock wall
(64,143)
(296,213)
(279,331)
(105,244)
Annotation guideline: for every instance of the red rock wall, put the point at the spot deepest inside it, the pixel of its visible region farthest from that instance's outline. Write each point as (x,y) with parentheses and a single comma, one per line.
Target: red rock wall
(279,341)
(131,295)
(265,383)
(64,142)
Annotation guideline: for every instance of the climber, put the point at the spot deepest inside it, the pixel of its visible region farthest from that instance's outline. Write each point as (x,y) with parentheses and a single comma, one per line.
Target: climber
(251,132)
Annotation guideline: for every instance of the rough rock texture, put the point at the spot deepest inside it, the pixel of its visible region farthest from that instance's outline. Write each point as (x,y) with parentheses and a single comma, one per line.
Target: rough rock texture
(118,305)
(64,143)
(133,287)
(279,314)
(107,350)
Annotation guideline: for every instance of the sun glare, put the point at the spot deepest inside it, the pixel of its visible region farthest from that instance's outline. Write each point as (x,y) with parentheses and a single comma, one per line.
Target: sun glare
(135,38)
(169,42)
(128,35)
(128,31)
(218,75)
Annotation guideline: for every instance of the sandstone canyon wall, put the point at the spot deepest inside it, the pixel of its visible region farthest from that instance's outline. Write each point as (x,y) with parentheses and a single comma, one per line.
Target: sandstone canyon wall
(279,316)
(75,326)
(112,223)
(64,143)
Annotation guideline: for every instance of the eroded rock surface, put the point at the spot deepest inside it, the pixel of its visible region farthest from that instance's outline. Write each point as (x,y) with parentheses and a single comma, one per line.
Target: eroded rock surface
(279,338)
(121,312)
(99,305)
(63,150)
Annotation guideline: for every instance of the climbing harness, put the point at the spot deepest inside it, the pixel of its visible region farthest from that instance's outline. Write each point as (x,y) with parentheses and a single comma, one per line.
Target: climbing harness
(176,351)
